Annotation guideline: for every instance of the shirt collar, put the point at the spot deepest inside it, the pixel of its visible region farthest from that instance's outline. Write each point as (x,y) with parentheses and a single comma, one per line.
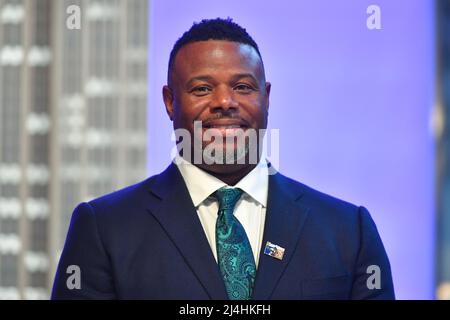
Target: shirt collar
(201,184)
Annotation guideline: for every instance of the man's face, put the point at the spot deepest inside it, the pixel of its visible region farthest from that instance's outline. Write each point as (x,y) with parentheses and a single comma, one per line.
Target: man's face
(220,83)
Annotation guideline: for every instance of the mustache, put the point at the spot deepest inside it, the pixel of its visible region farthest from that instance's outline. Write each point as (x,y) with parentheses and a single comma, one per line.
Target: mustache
(224,118)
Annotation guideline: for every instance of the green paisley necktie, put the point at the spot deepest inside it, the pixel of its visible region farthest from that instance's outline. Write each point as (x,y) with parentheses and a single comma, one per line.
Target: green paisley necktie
(234,253)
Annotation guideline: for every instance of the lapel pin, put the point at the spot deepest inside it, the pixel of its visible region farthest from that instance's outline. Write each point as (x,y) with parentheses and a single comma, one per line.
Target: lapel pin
(273,250)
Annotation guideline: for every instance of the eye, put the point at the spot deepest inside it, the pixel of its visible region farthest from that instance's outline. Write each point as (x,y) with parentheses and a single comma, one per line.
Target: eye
(201,90)
(243,88)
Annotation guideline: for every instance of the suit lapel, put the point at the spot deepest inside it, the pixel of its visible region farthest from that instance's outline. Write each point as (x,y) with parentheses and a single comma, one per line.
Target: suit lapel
(285,218)
(174,210)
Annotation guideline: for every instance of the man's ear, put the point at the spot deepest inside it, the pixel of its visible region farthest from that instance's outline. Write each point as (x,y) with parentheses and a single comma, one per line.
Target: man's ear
(268,87)
(168,101)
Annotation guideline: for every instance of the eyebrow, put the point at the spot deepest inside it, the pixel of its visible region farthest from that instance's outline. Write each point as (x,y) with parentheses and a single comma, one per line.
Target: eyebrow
(244,75)
(199,78)
(211,79)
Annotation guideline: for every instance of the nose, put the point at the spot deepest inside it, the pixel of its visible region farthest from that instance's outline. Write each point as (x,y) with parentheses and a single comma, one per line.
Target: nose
(223,100)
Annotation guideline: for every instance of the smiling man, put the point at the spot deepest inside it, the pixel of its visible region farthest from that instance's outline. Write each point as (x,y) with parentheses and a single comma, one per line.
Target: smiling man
(218,223)
(221,85)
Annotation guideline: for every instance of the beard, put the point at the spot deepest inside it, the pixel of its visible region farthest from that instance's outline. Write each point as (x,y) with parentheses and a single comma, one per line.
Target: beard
(235,146)
(225,153)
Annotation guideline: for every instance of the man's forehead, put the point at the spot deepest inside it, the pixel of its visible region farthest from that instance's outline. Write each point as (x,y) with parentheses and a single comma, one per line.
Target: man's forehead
(213,52)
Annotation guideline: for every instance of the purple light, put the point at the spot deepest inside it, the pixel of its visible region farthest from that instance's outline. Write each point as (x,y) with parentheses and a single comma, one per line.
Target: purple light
(352,104)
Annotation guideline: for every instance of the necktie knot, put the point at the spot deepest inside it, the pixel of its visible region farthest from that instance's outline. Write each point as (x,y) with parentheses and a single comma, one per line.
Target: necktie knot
(227,197)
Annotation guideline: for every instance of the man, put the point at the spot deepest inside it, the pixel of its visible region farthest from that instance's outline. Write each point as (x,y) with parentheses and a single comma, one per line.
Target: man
(215,224)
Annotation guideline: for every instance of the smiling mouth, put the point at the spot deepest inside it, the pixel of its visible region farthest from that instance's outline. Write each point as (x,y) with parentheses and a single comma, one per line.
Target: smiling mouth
(222,126)
(225,124)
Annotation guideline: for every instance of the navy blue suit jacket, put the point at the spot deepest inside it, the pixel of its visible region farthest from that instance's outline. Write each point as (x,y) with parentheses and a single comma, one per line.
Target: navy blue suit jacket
(146,242)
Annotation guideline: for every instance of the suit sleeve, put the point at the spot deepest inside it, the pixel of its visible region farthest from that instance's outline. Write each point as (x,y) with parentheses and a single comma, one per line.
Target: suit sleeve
(373,279)
(84,270)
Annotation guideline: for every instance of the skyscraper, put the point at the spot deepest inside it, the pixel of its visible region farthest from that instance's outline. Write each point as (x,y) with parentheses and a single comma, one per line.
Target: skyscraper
(72,124)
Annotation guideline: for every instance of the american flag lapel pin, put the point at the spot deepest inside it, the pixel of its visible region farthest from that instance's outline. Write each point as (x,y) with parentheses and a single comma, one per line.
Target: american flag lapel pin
(274,250)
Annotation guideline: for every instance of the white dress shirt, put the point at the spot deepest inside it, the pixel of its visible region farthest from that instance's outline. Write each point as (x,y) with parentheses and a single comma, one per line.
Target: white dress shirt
(250,209)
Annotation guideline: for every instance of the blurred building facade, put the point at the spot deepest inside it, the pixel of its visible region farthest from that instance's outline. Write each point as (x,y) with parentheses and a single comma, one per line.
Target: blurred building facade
(72,124)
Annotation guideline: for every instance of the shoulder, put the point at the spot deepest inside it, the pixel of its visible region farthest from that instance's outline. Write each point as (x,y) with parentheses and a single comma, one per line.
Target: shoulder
(321,205)
(312,195)
(125,201)
(330,218)
(123,195)
(114,213)
(134,199)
